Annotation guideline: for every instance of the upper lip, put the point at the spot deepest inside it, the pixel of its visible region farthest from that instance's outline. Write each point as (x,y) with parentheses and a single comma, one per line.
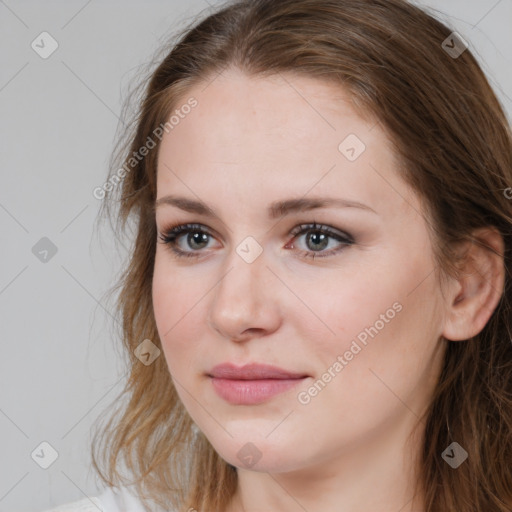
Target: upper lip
(252,371)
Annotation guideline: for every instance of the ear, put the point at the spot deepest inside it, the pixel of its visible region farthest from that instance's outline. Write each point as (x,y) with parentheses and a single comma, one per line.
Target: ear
(478,289)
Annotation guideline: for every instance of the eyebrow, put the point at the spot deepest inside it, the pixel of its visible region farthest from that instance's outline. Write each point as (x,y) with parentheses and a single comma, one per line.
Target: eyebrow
(275,210)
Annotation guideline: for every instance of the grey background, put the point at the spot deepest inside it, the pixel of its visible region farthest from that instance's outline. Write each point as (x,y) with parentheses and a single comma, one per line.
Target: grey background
(59,367)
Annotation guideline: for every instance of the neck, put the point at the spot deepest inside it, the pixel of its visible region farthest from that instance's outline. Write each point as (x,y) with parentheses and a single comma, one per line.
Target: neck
(377,475)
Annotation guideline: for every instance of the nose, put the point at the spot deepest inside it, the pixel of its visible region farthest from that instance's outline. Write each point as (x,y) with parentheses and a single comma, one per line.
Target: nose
(245,301)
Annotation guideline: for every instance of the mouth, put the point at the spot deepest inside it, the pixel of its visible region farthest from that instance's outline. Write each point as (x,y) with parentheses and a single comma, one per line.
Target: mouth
(252,383)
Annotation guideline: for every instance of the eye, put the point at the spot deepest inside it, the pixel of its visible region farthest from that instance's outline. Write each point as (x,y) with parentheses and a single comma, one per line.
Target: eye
(197,238)
(317,238)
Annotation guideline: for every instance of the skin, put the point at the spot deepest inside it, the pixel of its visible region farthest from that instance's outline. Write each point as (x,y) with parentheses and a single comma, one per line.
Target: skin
(251,141)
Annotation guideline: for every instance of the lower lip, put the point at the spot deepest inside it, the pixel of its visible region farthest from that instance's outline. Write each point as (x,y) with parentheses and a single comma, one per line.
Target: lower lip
(249,392)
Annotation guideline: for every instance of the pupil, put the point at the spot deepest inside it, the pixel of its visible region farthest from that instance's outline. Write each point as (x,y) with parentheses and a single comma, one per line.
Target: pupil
(196,237)
(322,239)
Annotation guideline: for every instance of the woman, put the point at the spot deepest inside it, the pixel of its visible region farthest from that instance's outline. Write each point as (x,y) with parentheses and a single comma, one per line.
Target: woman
(321,270)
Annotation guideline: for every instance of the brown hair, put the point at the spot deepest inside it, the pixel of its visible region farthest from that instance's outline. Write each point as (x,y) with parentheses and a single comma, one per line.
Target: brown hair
(455,147)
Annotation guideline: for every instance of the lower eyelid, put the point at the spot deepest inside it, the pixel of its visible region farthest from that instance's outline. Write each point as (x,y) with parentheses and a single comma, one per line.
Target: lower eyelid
(333,251)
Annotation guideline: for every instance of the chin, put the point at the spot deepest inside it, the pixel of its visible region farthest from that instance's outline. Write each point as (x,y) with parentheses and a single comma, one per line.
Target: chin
(255,453)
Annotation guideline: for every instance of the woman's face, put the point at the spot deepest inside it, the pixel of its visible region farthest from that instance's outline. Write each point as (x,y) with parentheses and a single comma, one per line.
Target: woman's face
(358,326)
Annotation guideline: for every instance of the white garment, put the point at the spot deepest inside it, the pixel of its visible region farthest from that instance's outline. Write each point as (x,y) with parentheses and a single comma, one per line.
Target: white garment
(110,500)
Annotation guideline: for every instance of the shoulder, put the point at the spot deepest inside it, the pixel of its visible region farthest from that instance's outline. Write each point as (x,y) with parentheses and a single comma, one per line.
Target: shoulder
(110,500)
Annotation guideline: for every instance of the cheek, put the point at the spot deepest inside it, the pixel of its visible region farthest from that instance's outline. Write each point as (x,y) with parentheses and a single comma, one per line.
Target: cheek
(337,311)
(176,316)
(374,321)
(359,386)
(385,353)
(175,293)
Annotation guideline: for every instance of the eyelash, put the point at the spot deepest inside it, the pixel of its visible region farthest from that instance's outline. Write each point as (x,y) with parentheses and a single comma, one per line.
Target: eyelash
(172,233)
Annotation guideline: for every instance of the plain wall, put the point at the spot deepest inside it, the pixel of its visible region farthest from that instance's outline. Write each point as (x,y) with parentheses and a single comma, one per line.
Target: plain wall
(59,367)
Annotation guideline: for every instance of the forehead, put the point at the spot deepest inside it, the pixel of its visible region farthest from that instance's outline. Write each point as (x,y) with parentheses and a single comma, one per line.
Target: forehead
(253,137)
(295,108)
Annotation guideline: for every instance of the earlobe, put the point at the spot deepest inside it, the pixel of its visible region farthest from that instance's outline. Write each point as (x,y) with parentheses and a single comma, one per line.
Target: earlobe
(479,287)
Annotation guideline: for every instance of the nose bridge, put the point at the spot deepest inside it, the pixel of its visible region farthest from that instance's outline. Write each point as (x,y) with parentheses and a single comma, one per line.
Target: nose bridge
(242,298)
(242,279)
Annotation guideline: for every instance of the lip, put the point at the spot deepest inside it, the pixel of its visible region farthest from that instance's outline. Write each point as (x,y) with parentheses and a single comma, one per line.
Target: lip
(252,383)
(252,371)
